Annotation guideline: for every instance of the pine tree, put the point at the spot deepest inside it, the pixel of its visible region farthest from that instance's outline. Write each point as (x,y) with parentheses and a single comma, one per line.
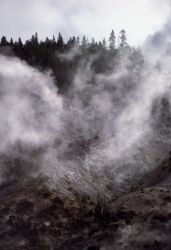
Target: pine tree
(34,39)
(47,41)
(100,44)
(123,39)
(4,41)
(60,42)
(53,41)
(78,41)
(19,43)
(93,41)
(104,43)
(11,42)
(84,41)
(112,41)
(74,41)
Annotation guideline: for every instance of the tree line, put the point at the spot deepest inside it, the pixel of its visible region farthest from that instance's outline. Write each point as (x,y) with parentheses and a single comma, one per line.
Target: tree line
(47,54)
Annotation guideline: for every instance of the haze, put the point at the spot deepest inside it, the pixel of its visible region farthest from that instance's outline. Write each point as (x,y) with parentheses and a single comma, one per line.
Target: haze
(139,18)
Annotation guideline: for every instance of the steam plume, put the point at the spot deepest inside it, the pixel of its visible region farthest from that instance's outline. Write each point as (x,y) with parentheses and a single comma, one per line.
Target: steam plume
(106,130)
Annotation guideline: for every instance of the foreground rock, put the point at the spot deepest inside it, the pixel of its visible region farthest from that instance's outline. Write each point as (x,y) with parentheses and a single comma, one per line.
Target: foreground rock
(32,217)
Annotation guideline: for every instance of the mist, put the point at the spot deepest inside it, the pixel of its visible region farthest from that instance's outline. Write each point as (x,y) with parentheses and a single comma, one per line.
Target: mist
(30,110)
(148,17)
(106,131)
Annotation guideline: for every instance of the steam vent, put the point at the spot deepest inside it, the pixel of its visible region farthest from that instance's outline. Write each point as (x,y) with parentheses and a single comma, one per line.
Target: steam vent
(85,125)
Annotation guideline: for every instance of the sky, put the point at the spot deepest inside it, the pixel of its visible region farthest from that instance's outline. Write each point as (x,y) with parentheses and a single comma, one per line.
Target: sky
(93,18)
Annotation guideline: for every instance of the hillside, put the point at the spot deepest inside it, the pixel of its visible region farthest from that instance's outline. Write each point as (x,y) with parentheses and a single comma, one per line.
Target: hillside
(33,216)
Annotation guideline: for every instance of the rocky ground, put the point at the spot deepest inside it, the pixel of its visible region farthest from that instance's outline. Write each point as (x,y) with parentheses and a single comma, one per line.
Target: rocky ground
(35,218)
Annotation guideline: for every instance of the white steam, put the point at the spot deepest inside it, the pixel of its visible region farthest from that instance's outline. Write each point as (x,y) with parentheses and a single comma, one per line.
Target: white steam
(103,132)
(29,105)
(114,118)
